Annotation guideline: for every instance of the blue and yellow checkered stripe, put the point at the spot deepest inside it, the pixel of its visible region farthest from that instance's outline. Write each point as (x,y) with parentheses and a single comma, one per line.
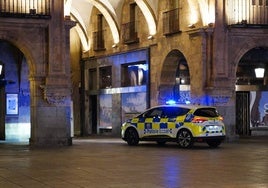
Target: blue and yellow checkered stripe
(155,123)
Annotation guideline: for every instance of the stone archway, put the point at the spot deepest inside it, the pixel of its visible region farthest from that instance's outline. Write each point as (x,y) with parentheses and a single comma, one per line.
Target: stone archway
(252,93)
(175,79)
(15,94)
(45,44)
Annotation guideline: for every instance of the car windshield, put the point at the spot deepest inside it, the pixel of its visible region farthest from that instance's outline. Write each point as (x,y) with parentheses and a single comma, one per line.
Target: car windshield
(206,112)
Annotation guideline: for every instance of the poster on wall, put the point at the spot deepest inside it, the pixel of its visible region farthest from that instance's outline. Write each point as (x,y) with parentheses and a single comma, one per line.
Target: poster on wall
(133,103)
(105,111)
(12,107)
(259,109)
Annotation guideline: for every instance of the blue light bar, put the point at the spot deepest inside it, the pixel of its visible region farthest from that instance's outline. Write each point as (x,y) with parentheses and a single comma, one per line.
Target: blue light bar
(187,102)
(170,102)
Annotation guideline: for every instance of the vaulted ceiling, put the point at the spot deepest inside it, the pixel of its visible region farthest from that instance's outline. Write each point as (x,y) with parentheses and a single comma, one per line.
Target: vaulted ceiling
(80,11)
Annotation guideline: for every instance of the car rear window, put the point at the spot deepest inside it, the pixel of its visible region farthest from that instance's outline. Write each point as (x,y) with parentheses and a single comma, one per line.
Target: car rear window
(206,112)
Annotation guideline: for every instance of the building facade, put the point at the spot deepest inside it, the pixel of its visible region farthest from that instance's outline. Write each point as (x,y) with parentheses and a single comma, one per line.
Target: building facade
(143,52)
(82,67)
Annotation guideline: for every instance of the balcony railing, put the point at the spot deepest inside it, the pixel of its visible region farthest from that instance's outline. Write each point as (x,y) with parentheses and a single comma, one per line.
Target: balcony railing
(130,34)
(25,8)
(171,22)
(247,12)
(98,40)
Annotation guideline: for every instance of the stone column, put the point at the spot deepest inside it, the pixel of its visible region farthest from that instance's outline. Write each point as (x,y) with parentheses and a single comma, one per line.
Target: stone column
(51,95)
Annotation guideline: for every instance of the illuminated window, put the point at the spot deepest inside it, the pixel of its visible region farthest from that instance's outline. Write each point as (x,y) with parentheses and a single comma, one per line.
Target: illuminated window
(25,8)
(134,74)
(105,77)
(247,13)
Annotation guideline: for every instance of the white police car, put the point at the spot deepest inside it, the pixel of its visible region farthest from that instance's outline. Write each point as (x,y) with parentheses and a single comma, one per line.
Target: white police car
(184,124)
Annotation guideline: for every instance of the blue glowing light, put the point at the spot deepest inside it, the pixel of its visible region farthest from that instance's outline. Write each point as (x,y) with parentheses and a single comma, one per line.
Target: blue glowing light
(170,102)
(187,102)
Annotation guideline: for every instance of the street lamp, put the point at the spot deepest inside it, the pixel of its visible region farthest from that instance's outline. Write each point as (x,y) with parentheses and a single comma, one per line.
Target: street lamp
(1,69)
(259,72)
(2,75)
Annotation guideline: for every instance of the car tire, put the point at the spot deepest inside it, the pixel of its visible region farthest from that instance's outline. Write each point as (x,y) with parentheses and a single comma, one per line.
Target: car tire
(132,137)
(185,138)
(213,143)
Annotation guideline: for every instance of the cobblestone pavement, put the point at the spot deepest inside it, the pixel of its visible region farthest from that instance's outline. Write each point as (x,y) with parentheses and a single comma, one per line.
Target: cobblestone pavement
(111,163)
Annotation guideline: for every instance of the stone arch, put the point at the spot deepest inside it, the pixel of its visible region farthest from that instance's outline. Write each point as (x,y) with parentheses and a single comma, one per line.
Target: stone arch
(170,79)
(36,67)
(242,50)
(15,83)
(24,47)
(251,91)
(254,58)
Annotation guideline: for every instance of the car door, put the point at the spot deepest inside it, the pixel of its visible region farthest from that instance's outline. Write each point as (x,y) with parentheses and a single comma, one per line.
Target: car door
(152,121)
(176,116)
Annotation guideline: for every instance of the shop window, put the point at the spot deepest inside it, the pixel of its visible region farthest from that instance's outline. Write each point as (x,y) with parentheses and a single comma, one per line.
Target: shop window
(134,74)
(105,77)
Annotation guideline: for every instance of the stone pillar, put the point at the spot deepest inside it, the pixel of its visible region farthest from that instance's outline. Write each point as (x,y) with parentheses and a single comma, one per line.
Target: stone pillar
(50,115)
(51,95)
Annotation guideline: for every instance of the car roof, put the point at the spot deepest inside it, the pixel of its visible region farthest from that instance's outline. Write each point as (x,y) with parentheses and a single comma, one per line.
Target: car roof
(188,106)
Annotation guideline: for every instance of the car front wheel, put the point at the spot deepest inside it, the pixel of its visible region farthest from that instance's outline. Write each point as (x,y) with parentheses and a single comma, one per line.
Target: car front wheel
(185,138)
(132,137)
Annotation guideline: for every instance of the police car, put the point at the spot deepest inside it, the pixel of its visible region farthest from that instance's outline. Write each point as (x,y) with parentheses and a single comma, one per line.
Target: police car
(184,124)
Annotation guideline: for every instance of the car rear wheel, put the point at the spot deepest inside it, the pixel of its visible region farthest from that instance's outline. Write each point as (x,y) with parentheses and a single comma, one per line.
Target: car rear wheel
(132,137)
(185,138)
(213,143)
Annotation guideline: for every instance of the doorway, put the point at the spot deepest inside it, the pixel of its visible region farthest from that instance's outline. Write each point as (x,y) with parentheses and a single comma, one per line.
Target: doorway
(14,95)
(242,113)
(175,79)
(252,92)
(94,113)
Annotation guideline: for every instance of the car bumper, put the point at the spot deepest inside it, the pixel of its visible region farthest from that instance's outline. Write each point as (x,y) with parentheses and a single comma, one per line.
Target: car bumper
(205,138)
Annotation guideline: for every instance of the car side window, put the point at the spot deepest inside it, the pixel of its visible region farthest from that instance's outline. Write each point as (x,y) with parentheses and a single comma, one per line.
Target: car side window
(206,112)
(156,112)
(172,112)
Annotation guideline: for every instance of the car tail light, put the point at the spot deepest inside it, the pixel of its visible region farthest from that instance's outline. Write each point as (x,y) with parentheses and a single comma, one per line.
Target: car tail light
(199,119)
